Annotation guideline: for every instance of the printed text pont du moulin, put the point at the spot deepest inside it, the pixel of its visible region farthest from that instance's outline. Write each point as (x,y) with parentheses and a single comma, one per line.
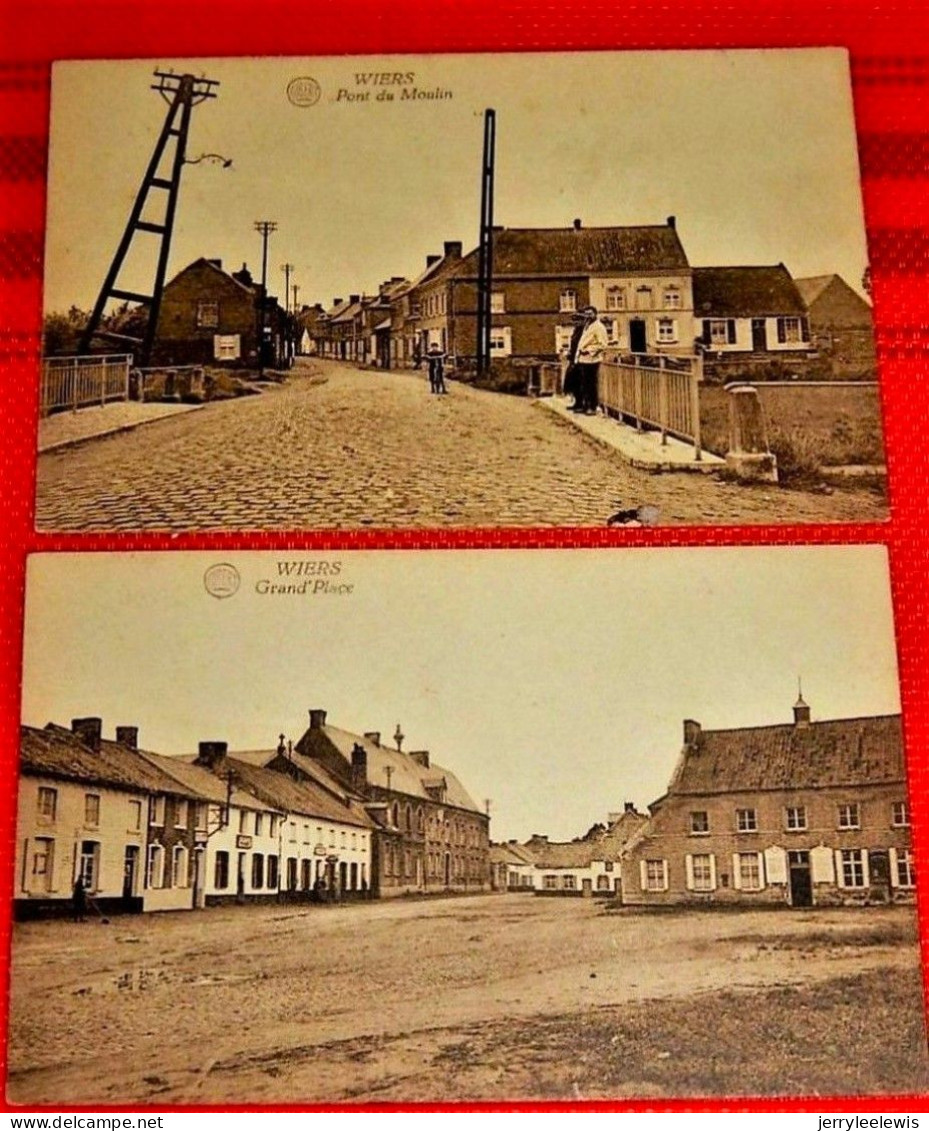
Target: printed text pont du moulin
(305,579)
(389,86)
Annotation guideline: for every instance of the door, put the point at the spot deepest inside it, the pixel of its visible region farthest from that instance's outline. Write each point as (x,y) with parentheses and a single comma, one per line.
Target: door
(801,881)
(130,870)
(638,339)
(586,888)
(448,870)
(240,879)
(879,874)
(759,335)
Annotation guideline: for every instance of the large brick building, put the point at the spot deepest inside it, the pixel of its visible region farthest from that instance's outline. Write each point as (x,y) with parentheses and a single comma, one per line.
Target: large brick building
(800,813)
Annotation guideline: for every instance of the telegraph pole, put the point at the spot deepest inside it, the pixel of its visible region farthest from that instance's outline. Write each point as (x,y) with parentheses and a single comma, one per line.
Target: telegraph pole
(265,228)
(486,244)
(295,287)
(287,268)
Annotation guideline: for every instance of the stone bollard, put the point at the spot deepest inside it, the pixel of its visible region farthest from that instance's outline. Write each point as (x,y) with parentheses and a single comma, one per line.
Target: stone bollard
(749,456)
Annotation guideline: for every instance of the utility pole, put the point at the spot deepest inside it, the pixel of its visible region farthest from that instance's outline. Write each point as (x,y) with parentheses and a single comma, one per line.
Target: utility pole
(182,93)
(486,245)
(287,268)
(295,287)
(265,228)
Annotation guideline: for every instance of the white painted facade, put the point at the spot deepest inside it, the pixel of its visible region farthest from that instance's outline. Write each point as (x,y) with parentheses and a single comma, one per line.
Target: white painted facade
(662,305)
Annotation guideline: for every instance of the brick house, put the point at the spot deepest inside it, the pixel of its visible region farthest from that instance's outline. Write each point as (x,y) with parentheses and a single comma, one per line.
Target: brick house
(841,325)
(800,814)
(431,836)
(95,807)
(749,315)
(637,277)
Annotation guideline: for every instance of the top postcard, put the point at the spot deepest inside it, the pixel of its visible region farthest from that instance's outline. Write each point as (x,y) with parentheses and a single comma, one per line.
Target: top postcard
(473,291)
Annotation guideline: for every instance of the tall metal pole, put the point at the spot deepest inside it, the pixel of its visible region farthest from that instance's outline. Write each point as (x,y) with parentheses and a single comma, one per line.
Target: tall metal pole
(485,246)
(287,268)
(265,227)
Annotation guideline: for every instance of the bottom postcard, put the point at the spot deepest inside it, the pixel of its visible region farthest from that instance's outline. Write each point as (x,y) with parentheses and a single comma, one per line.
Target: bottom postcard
(348,828)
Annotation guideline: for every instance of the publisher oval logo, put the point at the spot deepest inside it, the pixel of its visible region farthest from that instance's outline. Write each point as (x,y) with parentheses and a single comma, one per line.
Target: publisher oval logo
(303,91)
(221,580)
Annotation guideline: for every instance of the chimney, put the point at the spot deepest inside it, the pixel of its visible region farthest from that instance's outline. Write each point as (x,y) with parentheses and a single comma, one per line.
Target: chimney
(692,732)
(244,276)
(128,736)
(359,766)
(373,736)
(88,731)
(354,298)
(801,712)
(422,757)
(577,224)
(317,718)
(218,263)
(628,806)
(672,223)
(430,259)
(211,754)
(399,278)
(453,249)
(337,302)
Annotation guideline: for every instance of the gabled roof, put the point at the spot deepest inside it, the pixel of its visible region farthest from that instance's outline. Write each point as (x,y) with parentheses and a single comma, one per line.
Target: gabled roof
(299,797)
(745,292)
(831,300)
(514,854)
(57,752)
(583,251)
(308,766)
(835,752)
(335,311)
(208,263)
(810,289)
(207,785)
(565,854)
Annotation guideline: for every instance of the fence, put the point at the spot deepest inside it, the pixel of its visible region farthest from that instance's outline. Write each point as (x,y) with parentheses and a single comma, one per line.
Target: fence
(654,391)
(73,382)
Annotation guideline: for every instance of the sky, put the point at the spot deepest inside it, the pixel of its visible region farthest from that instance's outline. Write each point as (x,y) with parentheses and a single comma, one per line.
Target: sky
(554,683)
(754,152)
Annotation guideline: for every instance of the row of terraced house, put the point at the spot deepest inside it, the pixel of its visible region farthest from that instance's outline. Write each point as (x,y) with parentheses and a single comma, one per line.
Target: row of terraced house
(794,814)
(334,816)
(639,279)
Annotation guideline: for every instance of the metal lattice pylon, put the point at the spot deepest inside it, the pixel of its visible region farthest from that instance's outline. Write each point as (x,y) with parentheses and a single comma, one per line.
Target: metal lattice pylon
(182,93)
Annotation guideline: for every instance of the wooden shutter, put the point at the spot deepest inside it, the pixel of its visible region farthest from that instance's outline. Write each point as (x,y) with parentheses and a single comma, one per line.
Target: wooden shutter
(804,329)
(643,875)
(839,874)
(736,872)
(730,331)
(707,336)
(664,874)
(866,871)
(713,871)
(894,874)
(776,864)
(822,865)
(689,871)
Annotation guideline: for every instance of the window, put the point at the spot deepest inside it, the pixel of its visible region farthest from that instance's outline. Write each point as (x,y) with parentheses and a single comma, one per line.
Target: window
(319,834)
(603,883)
(207,315)
(749,871)
(243,823)
(904,875)
(899,814)
(89,864)
(48,803)
(699,821)
(500,341)
(134,821)
(154,874)
(667,330)
(181,814)
(258,870)
(156,811)
(671,299)
(43,860)
(201,816)
(567,301)
(550,883)
(306,834)
(719,331)
(259,824)
(852,864)
(179,866)
(355,838)
(702,870)
(643,298)
(616,298)
(91,810)
(332,835)
(272,872)
(272,822)
(849,817)
(343,836)
(221,871)
(795,818)
(570,883)
(746,820)
(497,302)
(790,330)
(292,832)
(655,875)
(227,347)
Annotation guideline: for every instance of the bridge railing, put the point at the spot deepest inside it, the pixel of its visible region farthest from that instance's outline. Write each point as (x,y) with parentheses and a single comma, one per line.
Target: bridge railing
(74,382)
(653,391)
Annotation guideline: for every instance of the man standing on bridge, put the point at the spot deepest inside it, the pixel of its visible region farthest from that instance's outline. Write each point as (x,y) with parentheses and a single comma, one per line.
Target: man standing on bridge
(590,348)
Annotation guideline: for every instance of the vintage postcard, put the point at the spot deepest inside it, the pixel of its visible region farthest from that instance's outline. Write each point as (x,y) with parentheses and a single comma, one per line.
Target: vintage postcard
(473,291)
(524,825)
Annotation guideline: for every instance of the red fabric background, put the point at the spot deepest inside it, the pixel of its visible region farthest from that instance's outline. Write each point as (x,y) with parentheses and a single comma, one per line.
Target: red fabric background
(890,68)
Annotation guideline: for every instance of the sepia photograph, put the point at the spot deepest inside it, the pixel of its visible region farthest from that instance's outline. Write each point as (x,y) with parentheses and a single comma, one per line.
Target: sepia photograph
(578,289)
(363,827)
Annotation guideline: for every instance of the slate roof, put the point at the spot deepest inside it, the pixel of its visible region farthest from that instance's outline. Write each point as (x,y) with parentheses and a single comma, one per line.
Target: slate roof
(301,798)
(407,775)
(745,292)
(207,785)
(583,251)
(834,752)
(312,769)
(56,752)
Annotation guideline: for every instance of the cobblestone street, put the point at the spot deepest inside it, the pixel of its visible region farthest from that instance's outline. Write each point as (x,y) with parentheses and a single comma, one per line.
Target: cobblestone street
(338,447)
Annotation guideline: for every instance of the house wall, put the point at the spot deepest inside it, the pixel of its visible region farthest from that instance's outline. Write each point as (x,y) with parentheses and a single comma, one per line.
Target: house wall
(669,838)
(181,341)
(326,846)
(116,829)
(531,313)
(602,878)
(244,844)
(175,828)
(649,308)
(743,337)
